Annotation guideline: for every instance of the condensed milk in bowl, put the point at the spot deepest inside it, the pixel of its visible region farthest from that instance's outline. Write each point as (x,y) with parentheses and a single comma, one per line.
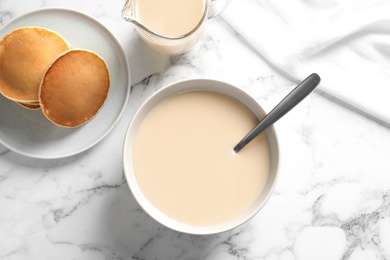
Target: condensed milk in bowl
(171,26)
(179,161)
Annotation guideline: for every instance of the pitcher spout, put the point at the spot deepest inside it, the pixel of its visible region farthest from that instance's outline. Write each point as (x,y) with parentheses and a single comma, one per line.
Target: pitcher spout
(128,11)
(129,15)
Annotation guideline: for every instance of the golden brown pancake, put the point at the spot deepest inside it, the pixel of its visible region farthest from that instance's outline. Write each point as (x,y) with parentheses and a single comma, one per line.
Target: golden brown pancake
(74,88)
(25,54)
(31,106)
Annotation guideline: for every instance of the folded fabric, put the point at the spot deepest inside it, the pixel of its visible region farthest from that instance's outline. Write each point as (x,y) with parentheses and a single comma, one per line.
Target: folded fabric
(347,42)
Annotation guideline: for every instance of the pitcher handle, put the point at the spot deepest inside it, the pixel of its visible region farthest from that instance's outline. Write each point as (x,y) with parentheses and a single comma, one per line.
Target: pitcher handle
(216,7)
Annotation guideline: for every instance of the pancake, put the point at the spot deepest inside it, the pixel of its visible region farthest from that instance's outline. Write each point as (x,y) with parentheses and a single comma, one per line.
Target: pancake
(74,88)
(31,106)
(25,54)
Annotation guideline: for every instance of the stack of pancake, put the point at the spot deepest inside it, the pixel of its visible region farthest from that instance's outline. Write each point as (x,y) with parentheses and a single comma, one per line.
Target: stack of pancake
(40,70)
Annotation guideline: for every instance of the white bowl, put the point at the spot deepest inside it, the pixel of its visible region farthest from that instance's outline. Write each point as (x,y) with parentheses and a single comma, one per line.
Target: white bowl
(191,85)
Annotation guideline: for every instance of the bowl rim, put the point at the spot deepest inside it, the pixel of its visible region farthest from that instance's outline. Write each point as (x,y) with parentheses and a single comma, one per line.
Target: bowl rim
(182,86)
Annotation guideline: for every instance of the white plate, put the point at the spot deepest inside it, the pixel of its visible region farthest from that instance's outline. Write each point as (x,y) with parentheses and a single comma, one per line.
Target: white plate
(28,132)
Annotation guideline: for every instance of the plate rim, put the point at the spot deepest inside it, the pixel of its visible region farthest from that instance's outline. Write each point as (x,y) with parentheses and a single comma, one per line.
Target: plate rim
(128,82)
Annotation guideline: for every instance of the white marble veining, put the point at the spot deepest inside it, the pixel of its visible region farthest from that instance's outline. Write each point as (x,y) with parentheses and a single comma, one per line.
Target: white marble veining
(332,200)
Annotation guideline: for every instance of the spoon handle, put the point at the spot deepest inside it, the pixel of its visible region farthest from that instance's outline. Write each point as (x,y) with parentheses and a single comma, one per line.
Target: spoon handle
(290,101)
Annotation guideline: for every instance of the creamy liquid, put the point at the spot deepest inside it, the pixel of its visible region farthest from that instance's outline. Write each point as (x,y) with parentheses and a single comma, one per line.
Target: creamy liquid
(170,17)
(184,160)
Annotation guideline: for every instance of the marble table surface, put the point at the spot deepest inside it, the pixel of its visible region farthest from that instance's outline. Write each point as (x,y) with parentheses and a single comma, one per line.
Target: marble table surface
(332,200)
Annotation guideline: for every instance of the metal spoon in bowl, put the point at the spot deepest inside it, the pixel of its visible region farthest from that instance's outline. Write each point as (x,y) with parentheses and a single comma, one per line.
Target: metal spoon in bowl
(293,98)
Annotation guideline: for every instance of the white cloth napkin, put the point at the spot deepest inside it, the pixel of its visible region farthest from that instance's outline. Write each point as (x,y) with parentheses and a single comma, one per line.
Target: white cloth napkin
(347,42)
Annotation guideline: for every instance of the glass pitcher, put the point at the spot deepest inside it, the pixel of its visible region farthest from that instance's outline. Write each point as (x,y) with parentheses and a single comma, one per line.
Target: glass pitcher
(173,26)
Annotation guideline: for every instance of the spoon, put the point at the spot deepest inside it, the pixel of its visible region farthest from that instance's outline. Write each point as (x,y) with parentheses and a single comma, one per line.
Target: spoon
(291,100)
